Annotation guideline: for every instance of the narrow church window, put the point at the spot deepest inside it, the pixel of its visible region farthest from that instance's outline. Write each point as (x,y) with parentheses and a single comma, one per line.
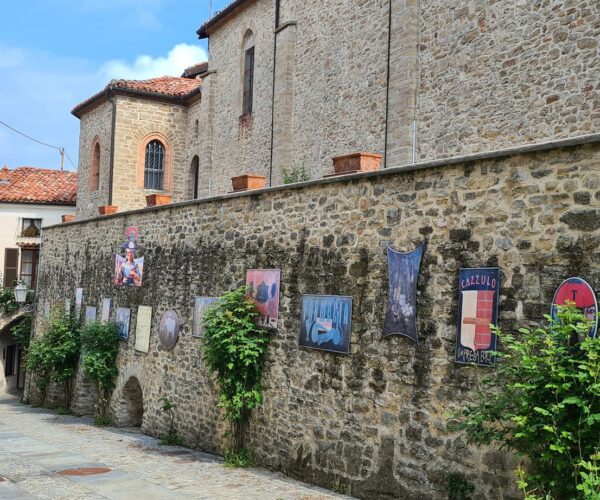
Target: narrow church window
(154,165)
(248,73)
(195,177)
(94,175)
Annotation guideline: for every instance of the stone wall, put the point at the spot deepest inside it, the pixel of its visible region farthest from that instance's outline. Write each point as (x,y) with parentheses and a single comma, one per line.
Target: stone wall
(136,119)
(95,124)
(372,423)
(499,74)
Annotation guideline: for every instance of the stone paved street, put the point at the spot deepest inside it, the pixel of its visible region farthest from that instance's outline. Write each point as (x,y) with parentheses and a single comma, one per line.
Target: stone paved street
(37,447)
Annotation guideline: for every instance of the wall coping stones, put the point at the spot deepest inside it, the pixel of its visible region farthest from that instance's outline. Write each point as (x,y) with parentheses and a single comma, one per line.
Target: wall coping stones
(445,162)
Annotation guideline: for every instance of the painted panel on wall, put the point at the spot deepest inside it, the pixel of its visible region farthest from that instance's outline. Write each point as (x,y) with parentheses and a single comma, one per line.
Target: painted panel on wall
(580,292)
(129,264)
(326,323)
(143,328)
(168,329)
(477,310)
(78,302)
(200,305)
(263,288)
(122,317)
(90,315)
(105,310)
(403,273)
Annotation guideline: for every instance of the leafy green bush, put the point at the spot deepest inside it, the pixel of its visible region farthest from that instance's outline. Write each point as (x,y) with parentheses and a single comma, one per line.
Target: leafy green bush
(238,459)
(458,486)
(8,304)
(53,356)
(234,349)
(543,402)
(100,345)
(296,174)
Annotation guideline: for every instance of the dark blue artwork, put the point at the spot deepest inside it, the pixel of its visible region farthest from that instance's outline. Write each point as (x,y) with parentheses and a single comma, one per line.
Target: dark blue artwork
(403,273)
(477,310)
(326,323)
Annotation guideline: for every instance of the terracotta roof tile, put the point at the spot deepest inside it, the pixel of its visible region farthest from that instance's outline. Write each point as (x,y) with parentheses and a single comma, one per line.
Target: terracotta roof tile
(38,185)
(167,87)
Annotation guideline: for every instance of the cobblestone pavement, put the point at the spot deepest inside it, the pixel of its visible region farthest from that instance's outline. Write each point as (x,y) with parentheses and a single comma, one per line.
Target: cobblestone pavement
(37,446)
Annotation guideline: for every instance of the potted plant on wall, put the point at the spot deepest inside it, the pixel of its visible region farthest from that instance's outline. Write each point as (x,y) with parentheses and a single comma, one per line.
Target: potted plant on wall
(356,162)
(158,199)
(247,182)
(107,209)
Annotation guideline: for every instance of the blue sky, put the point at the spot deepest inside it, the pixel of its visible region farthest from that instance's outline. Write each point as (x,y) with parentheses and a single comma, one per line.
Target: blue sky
(56,53)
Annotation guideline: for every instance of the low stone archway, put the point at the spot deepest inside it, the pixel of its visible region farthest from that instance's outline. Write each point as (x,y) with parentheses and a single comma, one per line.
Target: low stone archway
(129,411)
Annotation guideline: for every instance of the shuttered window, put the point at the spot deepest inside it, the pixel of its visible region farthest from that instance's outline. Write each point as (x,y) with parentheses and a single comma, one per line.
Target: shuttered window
(11,264)
(248,80)
(29,262)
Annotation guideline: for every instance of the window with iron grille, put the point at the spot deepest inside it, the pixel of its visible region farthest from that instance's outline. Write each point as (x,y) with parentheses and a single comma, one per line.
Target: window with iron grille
(154,166)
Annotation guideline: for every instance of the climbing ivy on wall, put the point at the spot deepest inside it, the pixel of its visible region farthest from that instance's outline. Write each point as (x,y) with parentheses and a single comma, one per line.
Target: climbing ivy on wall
(53,356)
(234,349)
(99,346)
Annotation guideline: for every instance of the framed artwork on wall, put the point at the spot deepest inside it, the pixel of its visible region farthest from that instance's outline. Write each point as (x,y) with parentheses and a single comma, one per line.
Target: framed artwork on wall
(200,305)
(580,292)
(122,318)
(263,289)
(168,329)
(477,310)
(326,323)
(403,274)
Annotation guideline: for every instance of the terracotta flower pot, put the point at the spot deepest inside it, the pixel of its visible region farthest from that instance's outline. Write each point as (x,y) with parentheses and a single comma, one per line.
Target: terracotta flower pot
(68,218)
(107,209)
(248,182)
(356,162)
(155,200)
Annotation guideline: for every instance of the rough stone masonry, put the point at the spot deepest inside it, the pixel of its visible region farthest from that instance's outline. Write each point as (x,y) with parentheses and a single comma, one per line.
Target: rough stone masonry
(372,423)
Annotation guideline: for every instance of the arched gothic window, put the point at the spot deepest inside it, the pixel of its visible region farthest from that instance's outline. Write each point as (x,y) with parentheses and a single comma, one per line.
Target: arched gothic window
(154,166)
(248,97)
(94,171)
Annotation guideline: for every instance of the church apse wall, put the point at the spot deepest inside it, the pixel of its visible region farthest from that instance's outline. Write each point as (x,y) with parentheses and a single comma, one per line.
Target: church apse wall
(372,422)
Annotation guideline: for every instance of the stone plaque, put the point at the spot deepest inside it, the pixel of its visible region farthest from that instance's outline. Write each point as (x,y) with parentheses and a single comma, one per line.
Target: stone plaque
(168,330)
(142,329)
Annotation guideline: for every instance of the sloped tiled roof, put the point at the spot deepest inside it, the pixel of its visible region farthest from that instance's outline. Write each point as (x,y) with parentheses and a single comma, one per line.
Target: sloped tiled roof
(233,7)
(38,185)
(169,88)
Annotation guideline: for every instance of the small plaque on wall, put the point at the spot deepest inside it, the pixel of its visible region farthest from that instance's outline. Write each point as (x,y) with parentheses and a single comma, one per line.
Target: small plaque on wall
(122,320)
(168,330)
(142,329)
(105,310)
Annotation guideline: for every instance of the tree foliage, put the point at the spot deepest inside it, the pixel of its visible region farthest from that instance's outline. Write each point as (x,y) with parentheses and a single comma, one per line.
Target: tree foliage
(543,402)
(22,331)
(234,349)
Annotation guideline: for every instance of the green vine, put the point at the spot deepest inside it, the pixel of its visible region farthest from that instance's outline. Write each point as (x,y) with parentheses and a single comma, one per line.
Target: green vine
(53,356)
(234,350)
(100,345)
(168,407)
(547,408)
(22,332)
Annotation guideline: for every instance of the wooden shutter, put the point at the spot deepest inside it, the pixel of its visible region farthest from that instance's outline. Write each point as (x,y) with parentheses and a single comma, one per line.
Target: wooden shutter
(11,264)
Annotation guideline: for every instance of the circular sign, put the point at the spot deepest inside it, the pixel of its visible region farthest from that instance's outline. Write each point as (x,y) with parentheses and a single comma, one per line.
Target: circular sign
(582,294)
(168,330)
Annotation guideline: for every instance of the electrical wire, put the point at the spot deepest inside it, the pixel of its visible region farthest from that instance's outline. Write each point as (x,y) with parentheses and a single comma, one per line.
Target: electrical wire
(61,150)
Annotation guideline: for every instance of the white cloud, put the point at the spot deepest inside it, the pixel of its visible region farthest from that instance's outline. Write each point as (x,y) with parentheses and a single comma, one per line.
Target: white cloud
(179,57)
